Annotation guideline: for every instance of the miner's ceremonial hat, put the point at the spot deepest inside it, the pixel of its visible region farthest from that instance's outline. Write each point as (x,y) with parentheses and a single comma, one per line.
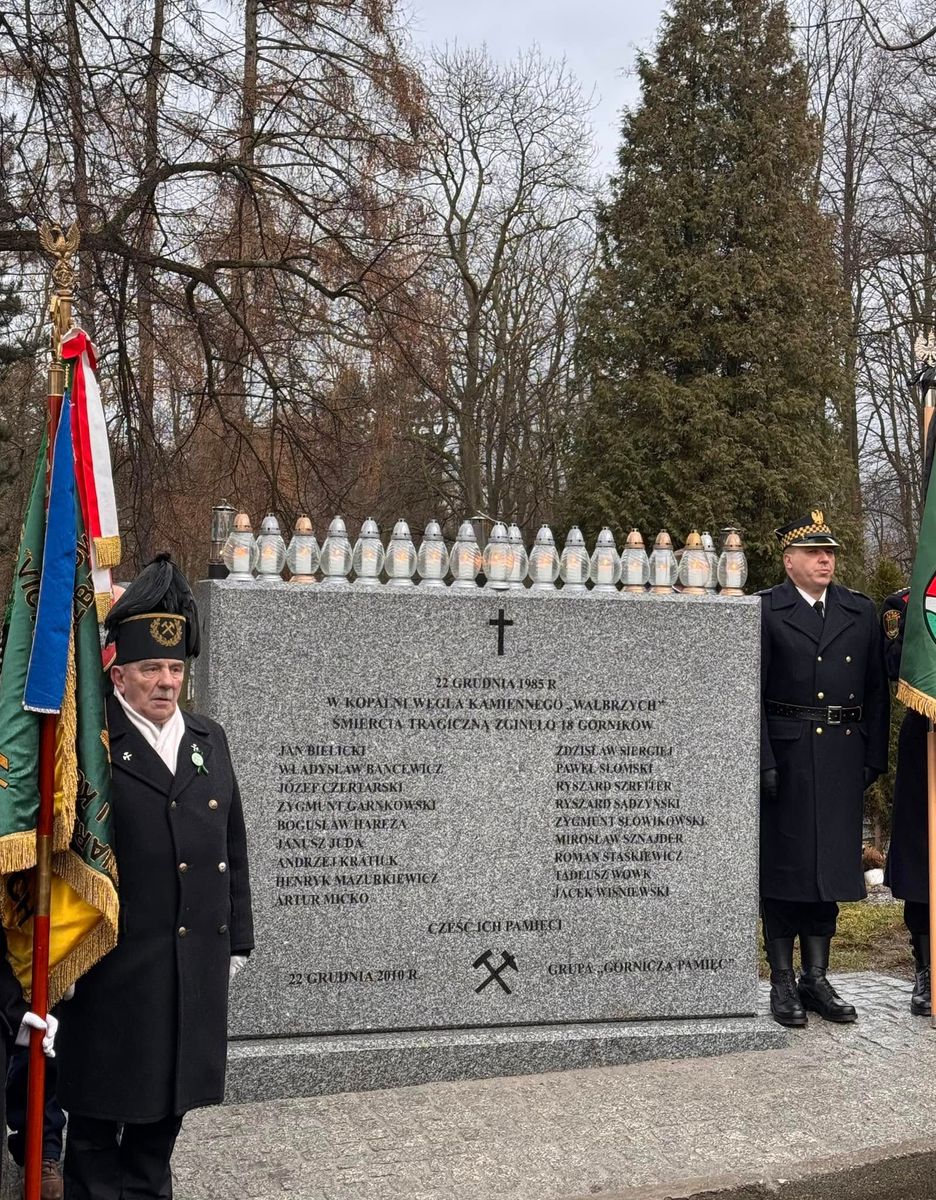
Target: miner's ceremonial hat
(156,616)
(806,531)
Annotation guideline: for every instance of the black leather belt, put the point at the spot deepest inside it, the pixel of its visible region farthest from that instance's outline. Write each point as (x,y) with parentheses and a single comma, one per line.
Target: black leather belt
(833,714)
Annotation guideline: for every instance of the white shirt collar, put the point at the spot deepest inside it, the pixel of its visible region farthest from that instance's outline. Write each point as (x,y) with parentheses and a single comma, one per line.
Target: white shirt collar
(811,600)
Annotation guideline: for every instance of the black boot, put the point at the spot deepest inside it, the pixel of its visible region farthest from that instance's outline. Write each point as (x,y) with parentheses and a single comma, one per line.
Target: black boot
(785,1006)
(921,1004)
(815,991)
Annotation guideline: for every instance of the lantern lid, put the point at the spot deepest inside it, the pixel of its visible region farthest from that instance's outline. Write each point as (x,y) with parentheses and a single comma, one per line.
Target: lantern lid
(514,535)
(223,506)
(401,531)
(432,532)
(605,538)
(303,525)
(693,541)
(337,528)
(733,541)
(707,543)
(242,523)
(663,541)
(370,528)
(269,524)
(498,533)
(574,537)
(544,536)
(466,532)
(635,540)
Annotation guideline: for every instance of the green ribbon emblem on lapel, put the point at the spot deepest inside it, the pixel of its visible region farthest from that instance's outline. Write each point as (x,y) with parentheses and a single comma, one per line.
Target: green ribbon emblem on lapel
(198,760)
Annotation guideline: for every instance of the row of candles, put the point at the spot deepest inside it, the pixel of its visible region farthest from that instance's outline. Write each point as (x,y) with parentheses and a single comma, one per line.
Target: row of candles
(504,562)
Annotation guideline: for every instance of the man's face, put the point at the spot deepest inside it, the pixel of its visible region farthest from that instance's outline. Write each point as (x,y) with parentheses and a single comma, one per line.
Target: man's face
(151,687)
(810,567)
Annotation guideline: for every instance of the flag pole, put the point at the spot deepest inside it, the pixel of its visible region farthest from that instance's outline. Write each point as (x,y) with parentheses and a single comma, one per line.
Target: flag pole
(54,241)
(925,352)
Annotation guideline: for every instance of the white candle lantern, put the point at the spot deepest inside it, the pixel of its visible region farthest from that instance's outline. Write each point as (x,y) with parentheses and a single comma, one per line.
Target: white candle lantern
(240,551)
(400,563)
(635,566)
(271,551)
(302,555)
(432,560)
(544,562)
(466,559)
(498,559)
(708,545)
(605,567)
(368,557)
(694,566)
(662,564)
(732,565)
(574,563)
(336,557)
(521,560)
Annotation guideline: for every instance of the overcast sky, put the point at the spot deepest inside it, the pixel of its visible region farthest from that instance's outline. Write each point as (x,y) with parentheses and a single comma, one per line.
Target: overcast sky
(597,37)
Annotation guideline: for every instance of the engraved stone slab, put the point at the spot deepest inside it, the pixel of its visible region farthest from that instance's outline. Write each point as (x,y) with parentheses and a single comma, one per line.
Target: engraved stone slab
(491,809)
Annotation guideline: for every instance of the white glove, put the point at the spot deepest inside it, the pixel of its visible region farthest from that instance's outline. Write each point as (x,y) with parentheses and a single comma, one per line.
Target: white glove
(49,1026)
(237,961)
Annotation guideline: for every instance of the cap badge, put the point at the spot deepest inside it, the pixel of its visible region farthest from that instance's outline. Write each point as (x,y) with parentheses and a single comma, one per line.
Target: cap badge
(167,631)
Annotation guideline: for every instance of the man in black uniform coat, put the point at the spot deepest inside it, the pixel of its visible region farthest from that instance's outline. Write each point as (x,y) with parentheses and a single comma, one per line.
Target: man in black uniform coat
(145,1037)
(907,871)
(824,725)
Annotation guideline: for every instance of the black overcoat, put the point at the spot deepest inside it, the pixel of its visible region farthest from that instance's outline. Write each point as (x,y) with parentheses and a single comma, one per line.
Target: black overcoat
(810,846)
(146,1033)
(12,1010)
(907,870)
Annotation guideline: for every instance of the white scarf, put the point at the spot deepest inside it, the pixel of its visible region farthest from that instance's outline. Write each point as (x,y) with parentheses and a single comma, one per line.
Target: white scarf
(165,739)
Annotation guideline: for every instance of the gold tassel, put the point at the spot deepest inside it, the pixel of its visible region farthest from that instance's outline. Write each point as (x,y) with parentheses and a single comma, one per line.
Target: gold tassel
(919,701)
(107,551)
(103,602)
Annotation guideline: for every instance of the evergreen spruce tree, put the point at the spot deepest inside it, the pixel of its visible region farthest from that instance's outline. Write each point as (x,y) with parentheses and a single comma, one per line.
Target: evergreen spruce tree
(713,344)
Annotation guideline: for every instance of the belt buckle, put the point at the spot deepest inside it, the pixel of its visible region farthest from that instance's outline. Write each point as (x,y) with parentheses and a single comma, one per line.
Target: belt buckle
(834,715)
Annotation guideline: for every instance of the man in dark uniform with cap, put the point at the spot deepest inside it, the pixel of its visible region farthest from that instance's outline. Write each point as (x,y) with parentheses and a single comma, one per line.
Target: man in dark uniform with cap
(145,1037)
(824,726)
(907,871)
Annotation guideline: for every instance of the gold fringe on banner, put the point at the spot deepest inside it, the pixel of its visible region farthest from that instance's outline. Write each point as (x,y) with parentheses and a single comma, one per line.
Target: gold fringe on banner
(99,892)
(919,701)
(107,550)
(103,602)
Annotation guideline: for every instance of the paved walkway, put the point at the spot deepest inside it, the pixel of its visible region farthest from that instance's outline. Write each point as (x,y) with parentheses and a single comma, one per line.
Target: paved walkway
(630,1132)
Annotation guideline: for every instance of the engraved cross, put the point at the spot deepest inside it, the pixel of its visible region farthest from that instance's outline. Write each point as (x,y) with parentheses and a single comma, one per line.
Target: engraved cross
(501,624)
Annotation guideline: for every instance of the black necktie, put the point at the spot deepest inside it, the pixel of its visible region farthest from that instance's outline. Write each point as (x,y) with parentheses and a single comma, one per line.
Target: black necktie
(820,609)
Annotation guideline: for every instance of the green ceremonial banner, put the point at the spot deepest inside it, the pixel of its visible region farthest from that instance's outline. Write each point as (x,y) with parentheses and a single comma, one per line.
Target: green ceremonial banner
(917,686)
(19,730)
(84,884)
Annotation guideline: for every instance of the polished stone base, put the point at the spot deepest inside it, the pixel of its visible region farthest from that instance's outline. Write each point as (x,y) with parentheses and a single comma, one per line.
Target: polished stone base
(281,1068)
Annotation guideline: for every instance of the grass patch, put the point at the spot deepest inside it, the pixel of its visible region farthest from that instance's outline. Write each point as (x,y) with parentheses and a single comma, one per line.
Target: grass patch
(869,937)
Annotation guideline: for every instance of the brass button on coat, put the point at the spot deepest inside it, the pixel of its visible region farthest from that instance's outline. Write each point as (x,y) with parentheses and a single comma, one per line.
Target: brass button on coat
(222,867)
(212,804)
(183,867)
(182,931)
(222,929)
(819,729)
(821,695)
(848,658)
(173,804)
